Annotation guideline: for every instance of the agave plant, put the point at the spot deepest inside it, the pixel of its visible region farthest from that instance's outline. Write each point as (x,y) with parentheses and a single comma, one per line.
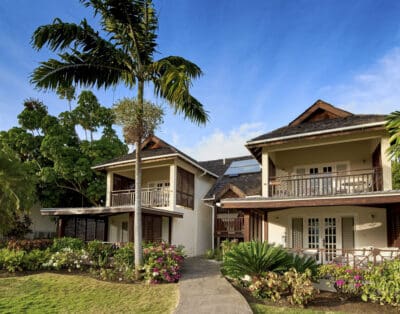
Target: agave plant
(302,263)
(255,259)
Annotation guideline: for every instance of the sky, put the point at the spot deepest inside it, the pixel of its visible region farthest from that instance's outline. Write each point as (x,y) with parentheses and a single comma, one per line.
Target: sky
(264,62)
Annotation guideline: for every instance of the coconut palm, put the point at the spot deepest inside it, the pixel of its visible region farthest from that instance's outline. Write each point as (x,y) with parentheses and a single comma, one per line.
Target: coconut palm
(125,55)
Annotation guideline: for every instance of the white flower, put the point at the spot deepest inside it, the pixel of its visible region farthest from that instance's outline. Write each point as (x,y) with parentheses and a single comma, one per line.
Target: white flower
(155,274)
(246,278)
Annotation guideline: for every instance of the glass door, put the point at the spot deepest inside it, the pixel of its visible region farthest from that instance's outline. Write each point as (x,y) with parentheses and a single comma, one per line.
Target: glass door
(322,234)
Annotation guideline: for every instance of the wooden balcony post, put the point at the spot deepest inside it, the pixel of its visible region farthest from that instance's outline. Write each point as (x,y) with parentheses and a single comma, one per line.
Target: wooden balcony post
(265,227)
(60,227)
(131,225)
(246,225)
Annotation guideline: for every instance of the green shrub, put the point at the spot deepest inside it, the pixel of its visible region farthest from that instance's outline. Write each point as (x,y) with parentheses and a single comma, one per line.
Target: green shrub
(35,259)
(66,242)
(29,245)
(99,252)
(11,260)
(302,263)
(228,245)
(125,256)
(301,288)
(382,283)
(214,254)
(255,259)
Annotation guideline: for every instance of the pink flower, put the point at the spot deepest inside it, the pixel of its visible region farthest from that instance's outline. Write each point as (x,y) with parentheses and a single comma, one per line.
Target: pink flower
(357,277)
(340,282)
(358,285)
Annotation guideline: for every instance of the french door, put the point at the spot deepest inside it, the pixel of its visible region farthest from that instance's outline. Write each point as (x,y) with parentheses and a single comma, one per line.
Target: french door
(322,233)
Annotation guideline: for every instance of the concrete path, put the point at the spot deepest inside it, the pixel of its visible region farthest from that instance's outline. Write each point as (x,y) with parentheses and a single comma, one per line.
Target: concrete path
(202,289)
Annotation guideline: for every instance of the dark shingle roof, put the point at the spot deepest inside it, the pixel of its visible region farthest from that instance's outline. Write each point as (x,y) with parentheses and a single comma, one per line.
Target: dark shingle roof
(312,126)
(249,183)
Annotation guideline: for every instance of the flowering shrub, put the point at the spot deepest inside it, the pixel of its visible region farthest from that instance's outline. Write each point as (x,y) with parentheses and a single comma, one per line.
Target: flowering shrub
(99,252)
(162,263)
(66,242)
(347,281)
(18,260)
(68,259)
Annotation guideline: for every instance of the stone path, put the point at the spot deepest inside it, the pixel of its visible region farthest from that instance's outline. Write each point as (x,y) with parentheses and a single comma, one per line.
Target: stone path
(202,289)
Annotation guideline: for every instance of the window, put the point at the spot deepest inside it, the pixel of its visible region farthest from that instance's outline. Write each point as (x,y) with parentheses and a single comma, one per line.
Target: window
(185,188)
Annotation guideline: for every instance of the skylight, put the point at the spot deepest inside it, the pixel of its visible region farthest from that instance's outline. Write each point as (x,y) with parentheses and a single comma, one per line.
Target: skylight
(243,166)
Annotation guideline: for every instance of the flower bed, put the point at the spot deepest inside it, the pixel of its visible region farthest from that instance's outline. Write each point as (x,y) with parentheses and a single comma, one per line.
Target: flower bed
(162,262)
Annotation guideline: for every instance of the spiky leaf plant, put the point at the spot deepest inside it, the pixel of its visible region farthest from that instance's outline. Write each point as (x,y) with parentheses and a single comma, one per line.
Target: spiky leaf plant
(302,263)
(255,259)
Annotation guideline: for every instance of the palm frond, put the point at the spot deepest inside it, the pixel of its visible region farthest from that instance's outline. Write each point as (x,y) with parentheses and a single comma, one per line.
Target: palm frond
(80,69)
(393,127)
(172,78)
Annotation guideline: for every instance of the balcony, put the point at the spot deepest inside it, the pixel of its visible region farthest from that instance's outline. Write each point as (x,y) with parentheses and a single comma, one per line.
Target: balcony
(229,226)
(326,184)
(153,197)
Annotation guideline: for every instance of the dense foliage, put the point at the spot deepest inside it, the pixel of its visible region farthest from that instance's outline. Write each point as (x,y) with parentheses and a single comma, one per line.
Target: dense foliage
(102,260)
(49,149)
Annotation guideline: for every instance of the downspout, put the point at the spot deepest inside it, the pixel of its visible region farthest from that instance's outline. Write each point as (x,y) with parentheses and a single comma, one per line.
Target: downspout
(212,222)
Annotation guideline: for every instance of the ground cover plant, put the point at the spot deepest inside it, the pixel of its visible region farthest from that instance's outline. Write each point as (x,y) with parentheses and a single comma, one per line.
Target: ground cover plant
(66,293)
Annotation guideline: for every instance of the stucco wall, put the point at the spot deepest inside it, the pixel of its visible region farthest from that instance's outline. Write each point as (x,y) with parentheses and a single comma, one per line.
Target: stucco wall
(115,227)
(42,226)
(369,223)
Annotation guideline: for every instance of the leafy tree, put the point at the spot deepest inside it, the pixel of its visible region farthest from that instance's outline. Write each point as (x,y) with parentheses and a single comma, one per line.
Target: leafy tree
(128,115)
(125,56)
(393,127)
(66,92)
(17,188)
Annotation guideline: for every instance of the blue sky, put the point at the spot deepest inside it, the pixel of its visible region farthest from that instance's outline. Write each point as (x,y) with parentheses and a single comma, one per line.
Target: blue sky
(264,62)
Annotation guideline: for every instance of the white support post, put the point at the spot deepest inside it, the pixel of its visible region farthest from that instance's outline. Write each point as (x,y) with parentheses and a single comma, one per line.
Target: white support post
(110,183)
(265,174)
(386,165)
(172,185)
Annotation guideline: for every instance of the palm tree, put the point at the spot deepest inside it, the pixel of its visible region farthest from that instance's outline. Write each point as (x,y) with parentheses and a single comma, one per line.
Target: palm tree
(125,56)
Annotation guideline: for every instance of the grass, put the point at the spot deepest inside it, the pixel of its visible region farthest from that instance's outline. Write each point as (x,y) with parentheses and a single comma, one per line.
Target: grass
(59,293)
(261,309)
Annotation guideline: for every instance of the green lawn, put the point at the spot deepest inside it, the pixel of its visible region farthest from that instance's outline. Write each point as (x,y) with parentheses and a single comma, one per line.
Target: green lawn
(57,293)
(264,309)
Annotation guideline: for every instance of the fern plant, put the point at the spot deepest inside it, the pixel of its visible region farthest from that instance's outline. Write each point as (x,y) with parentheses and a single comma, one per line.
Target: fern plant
(255,259)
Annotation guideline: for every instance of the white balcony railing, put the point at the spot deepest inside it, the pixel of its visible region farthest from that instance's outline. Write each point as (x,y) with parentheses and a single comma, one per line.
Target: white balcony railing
(325,184)
(155,197)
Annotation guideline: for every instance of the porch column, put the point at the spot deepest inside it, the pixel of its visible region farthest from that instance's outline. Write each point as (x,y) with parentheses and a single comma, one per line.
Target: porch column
(172,185)
(246,225)
(386,165)
(265,173)
(110,183)
(265,227)
(60,227)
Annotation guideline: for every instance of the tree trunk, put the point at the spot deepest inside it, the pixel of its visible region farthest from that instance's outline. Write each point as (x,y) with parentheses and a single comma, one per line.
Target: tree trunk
(138,191)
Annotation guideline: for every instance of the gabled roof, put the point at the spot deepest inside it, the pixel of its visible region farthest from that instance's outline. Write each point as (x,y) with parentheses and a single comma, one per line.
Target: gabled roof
(321,116)
(153,148)
(320,110)
(219,166)
(246,184)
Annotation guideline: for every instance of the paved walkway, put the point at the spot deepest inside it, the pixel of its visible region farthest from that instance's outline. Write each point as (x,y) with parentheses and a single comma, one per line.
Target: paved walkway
(202,289)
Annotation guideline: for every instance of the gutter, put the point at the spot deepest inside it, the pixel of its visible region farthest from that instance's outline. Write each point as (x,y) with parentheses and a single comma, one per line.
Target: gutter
(353,127)
(118,163)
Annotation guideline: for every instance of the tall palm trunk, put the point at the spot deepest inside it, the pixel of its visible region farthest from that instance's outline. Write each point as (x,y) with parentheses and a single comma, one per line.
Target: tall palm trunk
(138,189)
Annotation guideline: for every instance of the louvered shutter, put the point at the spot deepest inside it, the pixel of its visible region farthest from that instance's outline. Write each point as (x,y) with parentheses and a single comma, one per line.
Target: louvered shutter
(297,233)
(347,232)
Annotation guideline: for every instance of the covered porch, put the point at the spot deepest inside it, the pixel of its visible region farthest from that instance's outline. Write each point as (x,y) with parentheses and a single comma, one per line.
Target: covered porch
(355,231)
(113,224)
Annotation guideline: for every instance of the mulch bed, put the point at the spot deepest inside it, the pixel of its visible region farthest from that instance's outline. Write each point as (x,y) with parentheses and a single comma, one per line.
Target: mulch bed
(328,301)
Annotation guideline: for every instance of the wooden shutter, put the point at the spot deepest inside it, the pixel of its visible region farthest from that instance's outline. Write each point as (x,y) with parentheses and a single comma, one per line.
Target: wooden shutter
(393,226)
(152,228)
(69,229)
(297,233)
(185,188)
(347,232)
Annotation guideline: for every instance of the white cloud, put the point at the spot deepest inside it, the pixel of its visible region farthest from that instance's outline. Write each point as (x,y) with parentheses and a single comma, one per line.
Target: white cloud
(375,90)
(221,144)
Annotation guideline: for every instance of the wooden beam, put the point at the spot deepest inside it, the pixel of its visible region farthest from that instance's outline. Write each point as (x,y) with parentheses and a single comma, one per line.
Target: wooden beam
(246,225)
(60,227)
(131,225)
(265,227)
(327,201)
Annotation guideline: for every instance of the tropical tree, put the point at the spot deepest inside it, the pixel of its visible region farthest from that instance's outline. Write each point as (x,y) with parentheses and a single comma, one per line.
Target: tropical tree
(124,56)
(393,127)
(17,188)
